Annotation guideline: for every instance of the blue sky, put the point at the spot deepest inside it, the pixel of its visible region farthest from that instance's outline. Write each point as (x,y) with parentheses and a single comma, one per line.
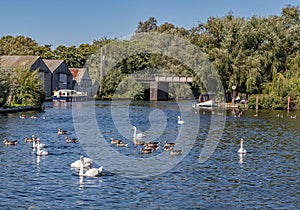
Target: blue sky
(73,22)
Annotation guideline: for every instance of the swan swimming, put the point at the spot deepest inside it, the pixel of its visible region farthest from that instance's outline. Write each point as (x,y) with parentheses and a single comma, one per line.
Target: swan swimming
(137,135)
(242,150)
(180,121)
(90,172)
(34,145)
(39,151)
(87,163)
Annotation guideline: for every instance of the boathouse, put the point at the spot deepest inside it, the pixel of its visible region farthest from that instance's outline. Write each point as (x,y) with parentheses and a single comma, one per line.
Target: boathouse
(62,78)
(32,62)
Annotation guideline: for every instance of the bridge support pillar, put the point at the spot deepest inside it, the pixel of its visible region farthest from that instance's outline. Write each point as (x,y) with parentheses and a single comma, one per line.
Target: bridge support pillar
(159,91)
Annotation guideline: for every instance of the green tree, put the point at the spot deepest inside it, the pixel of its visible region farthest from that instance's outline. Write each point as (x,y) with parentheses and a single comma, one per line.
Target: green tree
(25,88)
(19,45)
(147,26)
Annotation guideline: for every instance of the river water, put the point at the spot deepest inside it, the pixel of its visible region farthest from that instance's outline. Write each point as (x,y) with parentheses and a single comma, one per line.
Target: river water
(266,177)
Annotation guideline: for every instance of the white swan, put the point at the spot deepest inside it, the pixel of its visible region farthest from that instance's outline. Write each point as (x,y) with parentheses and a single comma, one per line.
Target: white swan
(90,172)
(242,150)
(39,151)
(137,135)
(34,145)
(180,121)
(87,163)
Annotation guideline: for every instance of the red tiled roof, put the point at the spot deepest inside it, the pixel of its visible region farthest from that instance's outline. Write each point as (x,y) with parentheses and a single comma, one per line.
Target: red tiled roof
(77,73)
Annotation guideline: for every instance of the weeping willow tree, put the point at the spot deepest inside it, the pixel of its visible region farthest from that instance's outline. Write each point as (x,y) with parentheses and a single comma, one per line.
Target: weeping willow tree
(25,88)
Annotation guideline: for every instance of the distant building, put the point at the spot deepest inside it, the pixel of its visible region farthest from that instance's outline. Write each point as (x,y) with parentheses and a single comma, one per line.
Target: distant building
(34,63)
(62,78)
(83,82)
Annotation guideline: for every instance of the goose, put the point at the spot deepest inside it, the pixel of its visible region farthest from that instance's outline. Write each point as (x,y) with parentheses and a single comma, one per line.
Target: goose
(87,163)
(137,143)
(146,151)
(167,144)
(68,140)
(115,141)
(175,152)
(40,152)
(180,121)
(93,172)
(122,144)
(26,139)
(61,132)
(137,135)
(154,147)
(168,148)
(242,150)
(152,143)
(7,142)
(34,145)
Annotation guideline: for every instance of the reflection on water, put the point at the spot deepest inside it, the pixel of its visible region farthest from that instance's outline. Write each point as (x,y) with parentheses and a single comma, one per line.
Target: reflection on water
(241,158)
(226,180)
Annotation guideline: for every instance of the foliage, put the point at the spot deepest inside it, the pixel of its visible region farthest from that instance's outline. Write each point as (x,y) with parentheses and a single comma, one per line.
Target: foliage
(28,89)
(128,88)
(4,85)
(259,55)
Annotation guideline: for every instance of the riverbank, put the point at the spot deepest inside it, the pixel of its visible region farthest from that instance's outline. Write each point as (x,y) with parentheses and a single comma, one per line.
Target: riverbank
(19,109)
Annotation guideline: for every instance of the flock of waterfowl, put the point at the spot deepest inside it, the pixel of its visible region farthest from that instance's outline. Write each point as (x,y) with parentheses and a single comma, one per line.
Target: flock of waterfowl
(148,147)
(84,164)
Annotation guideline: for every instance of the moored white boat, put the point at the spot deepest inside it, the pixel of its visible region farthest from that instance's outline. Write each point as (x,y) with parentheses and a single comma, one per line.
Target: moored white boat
(65,95)
(209,103)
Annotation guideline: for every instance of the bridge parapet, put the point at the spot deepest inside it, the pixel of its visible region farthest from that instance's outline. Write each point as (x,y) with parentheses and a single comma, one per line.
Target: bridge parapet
(161,78)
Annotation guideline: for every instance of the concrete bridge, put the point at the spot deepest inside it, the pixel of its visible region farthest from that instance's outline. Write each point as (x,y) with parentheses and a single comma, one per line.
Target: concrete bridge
(159,84)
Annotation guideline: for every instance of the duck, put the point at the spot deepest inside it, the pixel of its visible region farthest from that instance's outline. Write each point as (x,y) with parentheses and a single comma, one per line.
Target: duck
(242,150)
(22,116)
(34,145)
(180,121)
(7,142)
(40,152)
(61,132)
(145,151)
(167,144)
(175,152)
(115,141)
(33,117)
(137,135)
(93,172)
(293,117)
(87,163)
(68,140)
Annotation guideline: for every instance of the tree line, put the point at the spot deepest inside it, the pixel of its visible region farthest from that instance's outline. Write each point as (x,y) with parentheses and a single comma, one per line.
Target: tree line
(259,55)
